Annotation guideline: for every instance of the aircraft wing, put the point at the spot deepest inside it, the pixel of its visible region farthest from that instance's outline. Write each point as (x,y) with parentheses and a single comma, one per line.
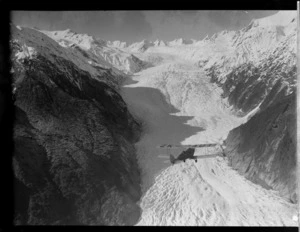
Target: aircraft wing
(205,156)
(187,146)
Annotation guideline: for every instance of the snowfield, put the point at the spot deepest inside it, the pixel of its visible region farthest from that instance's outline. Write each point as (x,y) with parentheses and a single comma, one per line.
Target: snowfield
(26,52)
(168,87)
(178,105)
(104,53)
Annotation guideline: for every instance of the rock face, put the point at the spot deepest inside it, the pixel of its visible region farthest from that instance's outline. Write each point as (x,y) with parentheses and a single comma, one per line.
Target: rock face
(99,52)
(255,62)
(74,160)
(264,149)
(260,72)
(140,46)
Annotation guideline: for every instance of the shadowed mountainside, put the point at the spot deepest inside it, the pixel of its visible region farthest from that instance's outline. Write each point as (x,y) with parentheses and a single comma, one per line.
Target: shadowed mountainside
(74,160)
(264,149)
(261,72)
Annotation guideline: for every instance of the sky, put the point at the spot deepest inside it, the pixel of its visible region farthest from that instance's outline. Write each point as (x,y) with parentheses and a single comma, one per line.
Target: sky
(134,26)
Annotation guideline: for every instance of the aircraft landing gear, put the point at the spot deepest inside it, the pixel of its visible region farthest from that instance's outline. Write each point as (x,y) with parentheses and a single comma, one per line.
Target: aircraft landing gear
(183,160)
(196,160)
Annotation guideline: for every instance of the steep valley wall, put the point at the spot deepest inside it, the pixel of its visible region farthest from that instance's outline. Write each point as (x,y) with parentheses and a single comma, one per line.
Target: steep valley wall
(264,148)
(74,160)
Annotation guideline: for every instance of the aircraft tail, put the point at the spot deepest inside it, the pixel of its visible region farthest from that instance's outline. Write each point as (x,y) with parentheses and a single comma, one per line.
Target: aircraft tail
(172,159)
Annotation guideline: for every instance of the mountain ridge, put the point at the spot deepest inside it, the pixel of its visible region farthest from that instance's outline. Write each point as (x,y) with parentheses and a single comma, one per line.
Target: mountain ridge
(74,160)
(74,135)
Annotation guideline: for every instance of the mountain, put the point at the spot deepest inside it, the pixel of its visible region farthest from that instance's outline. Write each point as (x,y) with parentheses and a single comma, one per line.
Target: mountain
(246,64)
(140,46)
(180,41)
(257,71)
(252,63)
(117,44)
(159,43)
(74,160)
(99,52)
(255,68)
(264,149)
(182,103)
(144,45)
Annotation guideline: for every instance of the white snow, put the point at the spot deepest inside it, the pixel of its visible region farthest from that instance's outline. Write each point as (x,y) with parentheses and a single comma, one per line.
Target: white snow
(25,52)
(282,18)
(67,37)
(105,52)
(208,192)
(180,42)
(224,50)
(117,44)
(178,104)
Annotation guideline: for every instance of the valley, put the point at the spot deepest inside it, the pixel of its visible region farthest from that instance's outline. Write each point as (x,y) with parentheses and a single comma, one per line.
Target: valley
(178,105)
(92,114)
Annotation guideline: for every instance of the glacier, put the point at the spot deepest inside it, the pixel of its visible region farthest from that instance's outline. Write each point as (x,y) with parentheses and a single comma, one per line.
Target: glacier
(188,92)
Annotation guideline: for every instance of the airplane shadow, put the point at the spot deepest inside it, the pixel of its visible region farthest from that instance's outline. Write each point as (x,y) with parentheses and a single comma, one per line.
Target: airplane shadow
(149,106)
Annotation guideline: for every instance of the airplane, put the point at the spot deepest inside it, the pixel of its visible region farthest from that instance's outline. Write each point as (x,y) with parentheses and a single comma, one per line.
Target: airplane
(189,153)
(191,146)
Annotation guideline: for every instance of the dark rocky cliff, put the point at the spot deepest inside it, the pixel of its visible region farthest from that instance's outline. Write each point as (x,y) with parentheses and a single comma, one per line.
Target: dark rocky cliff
(74,159)
(264,148)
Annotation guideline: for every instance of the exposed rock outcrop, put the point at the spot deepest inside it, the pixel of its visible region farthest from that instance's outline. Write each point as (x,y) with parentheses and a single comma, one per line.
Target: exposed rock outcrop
(100,52)
(255,63)
(264,149)
(74,159)
(258,70)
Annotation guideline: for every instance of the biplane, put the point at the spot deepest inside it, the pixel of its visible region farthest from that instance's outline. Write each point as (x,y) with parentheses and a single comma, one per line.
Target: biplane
(190,151)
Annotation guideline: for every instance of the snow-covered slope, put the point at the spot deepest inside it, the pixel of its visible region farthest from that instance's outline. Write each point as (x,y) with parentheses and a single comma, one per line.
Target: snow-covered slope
(26,37)
(245,63)
(117,44)
(197,92)
(282,18)
(160,43)
(180,41)
(264,149)
(140,46)
(190,97)
(178,105)
(97,51)
(144,45)
(256,58)
(262,55)
(260,73)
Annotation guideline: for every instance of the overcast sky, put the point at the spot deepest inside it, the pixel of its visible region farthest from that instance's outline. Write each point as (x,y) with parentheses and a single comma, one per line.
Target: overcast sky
(134,26)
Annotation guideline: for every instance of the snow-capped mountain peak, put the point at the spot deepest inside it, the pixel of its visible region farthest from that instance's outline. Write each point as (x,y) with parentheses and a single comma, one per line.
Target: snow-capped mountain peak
(67,37)
(98,51)
(141,46)
(180,41)
(159,43)
(117,44)
(213,85)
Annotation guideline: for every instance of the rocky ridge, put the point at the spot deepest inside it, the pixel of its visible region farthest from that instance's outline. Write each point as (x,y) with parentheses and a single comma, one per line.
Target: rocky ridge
(74,159)
(257,70)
